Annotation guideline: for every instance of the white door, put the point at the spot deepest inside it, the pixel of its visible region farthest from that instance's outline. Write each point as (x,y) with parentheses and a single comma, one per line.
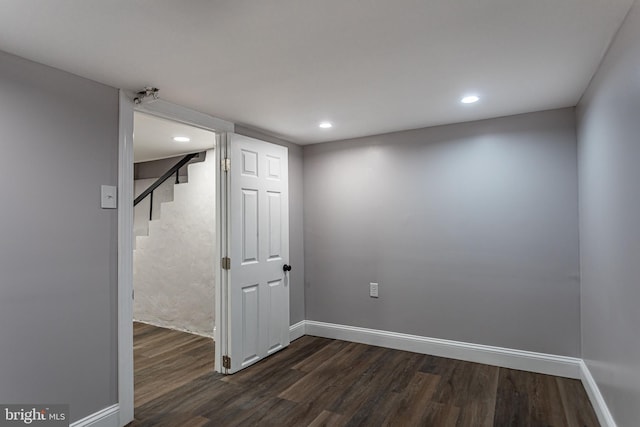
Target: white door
(259,250)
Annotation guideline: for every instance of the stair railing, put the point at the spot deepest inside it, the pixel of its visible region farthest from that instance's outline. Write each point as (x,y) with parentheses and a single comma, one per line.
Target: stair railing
(175,169)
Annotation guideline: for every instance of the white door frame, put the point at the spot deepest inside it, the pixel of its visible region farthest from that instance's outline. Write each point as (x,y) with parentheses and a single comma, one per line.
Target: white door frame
(125,260)
(177,113)
(224,249)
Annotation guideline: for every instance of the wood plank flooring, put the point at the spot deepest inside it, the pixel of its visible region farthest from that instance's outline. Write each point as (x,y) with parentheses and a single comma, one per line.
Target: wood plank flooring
(323,382)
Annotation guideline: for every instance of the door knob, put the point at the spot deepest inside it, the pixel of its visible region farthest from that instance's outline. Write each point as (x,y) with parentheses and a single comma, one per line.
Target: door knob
(286,268)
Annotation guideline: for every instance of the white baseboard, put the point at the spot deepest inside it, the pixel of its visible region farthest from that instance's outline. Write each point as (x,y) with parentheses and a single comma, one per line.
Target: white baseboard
(550,364)
(298,330)
(597,401)
(569,367)
(107,417)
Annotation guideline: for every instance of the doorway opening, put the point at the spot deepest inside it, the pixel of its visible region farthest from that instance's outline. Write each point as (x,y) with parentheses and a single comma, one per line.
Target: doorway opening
(250,183)
(174,252)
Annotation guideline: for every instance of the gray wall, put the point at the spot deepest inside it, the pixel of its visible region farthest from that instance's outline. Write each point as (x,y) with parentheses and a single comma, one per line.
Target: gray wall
(58,250)
(609,161)
(296,244)
(471,230)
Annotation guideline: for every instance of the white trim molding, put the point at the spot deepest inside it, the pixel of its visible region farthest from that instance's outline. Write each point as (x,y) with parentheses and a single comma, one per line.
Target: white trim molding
(298,330)
(108,417)
(181,114)
(174,112)
(562,366)
(597,400)
(549,364)
(125,260)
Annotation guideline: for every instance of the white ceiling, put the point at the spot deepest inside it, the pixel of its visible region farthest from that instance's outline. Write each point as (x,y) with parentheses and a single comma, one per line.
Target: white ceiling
(153,138)
(370,66)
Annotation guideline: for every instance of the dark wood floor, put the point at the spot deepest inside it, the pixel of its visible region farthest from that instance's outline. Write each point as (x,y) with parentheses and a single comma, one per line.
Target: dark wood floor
(323,382)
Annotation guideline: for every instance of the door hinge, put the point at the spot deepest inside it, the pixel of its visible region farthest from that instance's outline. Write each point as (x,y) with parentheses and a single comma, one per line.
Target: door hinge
(226,263)
(226,165)
(226,362)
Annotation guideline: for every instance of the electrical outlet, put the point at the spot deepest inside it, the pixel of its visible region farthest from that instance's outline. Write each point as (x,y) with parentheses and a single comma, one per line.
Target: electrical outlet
(373,290)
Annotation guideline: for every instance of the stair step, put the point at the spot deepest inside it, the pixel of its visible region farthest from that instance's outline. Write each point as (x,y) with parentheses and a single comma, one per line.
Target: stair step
(165,193)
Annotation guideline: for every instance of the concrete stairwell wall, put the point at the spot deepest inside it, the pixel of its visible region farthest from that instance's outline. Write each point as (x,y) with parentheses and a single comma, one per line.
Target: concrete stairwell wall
(174,279)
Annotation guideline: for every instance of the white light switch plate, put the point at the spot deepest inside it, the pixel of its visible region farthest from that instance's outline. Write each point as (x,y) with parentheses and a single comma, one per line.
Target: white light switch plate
(373,290)
(109,197)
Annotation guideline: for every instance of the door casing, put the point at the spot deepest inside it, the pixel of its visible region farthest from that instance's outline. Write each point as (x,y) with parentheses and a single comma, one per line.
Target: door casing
(181,114)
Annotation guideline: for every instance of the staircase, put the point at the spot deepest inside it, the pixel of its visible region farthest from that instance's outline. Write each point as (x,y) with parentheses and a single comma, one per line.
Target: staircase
(151,193)
(162,194)
(174,250)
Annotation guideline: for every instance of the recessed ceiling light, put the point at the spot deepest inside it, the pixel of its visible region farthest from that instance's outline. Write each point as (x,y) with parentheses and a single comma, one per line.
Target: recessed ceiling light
(181,139)
(325,125)
(470,99)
